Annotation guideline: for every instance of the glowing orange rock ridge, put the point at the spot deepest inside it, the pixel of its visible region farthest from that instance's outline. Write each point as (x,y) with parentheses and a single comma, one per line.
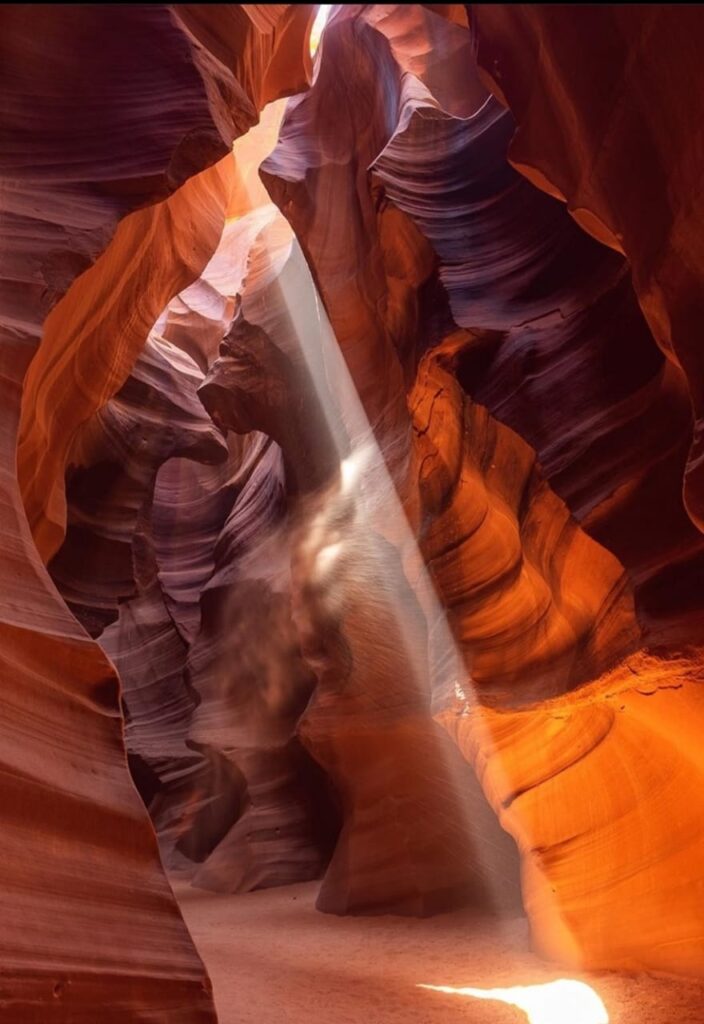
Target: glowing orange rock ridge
(182,476)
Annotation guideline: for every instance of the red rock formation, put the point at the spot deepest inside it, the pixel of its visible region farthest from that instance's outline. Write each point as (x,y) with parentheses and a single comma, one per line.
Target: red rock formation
(548,307)
(203,790)
(247,433)
(542,302)
(582,143)
(104,110)
(602,793)
(537,606)
(157,244)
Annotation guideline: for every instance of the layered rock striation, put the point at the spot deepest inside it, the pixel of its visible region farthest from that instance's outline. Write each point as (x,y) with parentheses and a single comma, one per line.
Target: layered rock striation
(105,111)
(356,458)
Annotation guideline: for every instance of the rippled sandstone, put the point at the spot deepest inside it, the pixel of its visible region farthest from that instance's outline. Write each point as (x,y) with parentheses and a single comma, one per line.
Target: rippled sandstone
(417,320)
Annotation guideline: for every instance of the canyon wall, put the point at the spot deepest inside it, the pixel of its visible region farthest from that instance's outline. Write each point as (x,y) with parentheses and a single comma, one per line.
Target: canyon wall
(105,111)
(357,455)
(552,576)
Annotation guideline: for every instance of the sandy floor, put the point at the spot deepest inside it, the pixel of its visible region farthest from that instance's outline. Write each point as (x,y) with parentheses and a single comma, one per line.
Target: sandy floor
(273,957)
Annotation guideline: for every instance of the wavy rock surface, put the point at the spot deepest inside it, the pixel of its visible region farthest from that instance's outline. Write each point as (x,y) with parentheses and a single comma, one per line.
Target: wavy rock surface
(545,308)
(113,464)
(361,489)
(549,308)
(241,800)
(634,735)
(537,606)
(581,144)
(479,202)
(156,244)
(104,111)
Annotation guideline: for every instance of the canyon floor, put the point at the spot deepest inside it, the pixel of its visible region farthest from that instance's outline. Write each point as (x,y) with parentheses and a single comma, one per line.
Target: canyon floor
(272,956)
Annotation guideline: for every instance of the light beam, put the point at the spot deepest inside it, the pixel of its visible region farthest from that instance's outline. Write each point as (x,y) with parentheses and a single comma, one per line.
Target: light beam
(321,19)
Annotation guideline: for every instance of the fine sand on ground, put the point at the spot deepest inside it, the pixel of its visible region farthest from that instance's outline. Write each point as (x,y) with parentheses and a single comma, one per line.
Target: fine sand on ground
(273,957)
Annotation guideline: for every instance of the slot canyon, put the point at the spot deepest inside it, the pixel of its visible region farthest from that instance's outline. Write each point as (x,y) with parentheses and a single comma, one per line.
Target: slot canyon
(352,514)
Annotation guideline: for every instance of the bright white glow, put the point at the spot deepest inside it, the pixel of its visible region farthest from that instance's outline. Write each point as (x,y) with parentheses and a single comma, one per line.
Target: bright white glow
(556,1002)
(349,472)
(327,558)
(319,24)
(352,467)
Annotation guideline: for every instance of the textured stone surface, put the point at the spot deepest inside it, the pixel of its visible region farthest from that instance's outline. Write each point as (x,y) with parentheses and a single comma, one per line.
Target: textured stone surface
(536,605)
(554,346)
(582,140)
(359,452)
(104,110)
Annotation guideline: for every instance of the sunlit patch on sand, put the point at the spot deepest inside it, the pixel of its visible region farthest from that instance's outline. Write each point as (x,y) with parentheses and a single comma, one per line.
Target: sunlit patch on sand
(555,1002)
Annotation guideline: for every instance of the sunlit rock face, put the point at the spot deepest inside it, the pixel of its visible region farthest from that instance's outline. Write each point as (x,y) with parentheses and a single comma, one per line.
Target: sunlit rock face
(537,605)
(356,464)
(541,602)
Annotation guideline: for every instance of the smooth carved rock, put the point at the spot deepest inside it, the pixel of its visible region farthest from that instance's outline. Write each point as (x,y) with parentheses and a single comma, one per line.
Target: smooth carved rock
(156,244)
(100,351)
(293,704)
(537,606)
(113,464)
(613,767)
(104,111)
(577,143)
(252,685)
(549,308)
